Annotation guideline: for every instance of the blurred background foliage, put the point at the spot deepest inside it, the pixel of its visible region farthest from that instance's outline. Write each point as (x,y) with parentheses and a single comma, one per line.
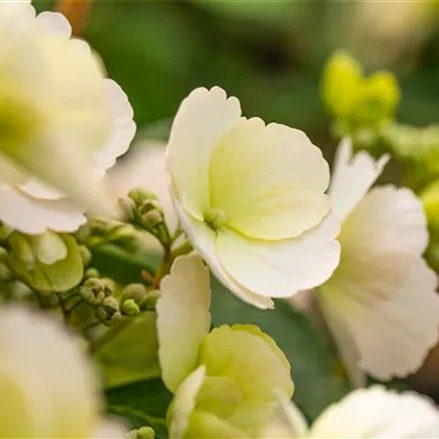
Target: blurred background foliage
(268,53)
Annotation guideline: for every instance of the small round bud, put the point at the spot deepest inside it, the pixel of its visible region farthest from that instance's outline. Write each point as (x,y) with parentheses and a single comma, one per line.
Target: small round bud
(85,254)
(151,219)
(140,195)
(130,308)
(145,433)
(91,272)
(3,254)
(150,301)
(137,292)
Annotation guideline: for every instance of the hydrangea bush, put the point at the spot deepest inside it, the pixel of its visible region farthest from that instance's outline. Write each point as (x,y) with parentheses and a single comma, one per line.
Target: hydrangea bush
(167,305)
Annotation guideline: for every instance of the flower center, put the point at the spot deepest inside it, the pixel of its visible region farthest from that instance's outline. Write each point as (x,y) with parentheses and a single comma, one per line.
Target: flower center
(215,218)
(18,123)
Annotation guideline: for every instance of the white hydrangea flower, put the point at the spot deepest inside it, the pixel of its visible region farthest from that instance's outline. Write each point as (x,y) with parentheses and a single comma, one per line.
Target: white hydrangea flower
(374,413)
(251,198)
(62,123)
(50,388)
(381,302)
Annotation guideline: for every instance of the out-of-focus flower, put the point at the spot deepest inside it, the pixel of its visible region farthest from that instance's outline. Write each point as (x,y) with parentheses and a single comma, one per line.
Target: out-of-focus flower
(356,101)
(223,380)
(62,123)
(381,302)
(50,388)
(251,198)
(374,413)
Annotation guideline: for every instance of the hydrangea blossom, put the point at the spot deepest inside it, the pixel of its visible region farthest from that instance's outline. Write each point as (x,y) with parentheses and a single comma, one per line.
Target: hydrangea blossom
(223,380)
(62,123)
(374,413)
(50,388)
(251,197)
(381,302)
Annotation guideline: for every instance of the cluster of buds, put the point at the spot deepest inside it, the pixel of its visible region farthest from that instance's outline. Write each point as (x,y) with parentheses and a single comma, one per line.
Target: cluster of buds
(135,298)
(99,231)
(145,211)
(98,293)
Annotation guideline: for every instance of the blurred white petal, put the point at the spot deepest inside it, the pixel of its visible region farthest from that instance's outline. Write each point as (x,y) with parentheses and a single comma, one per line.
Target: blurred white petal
(352,177)
(378,413)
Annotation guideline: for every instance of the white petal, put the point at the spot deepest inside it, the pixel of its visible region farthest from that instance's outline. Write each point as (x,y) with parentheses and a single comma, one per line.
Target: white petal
(110,429)
(288,422)
(352,177)
(378,413)
(280,269)
(203,117)
(29,215)
(55,23)
(345,342)
(40,190)
(203,239)
(70,406)
(123,128)
(388,217)
(183,318)
(184,403)
(395,331)
(269,181)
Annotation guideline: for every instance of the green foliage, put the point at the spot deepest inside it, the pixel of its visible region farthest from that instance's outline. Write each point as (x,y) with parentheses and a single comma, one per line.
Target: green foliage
(318,379)
(142,403)
(132,354)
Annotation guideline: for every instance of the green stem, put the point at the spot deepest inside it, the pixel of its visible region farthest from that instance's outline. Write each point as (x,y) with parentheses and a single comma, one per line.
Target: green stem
(110,334)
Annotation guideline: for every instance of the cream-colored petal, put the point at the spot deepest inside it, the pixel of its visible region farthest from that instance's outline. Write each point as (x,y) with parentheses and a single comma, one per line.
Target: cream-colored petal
(183,318)
(110,429)
(287,423)
(203,239)
(40,190)
(345,342)
(378,413)
(122,131)
(280,269)
(388,217)
(269,181)
(70,407)
(203,117)
(393,333)
(55,23)
(29,215)
(352,177)
(184,403)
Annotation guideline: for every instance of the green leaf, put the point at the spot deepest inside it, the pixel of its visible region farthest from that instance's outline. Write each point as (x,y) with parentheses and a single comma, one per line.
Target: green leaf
(122,266)
(57,277)
(131,355)
(315,369)
(143,403)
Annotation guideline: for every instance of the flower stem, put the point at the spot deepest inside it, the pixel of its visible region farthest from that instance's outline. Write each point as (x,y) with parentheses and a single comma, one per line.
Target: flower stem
(77,12)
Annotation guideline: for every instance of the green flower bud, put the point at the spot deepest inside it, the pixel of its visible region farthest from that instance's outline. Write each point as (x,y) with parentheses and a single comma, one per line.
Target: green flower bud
(145,433)
(150,301)
(137,292)
(91,272)
(95,290)
(85,254)
(130,308)
(140,195)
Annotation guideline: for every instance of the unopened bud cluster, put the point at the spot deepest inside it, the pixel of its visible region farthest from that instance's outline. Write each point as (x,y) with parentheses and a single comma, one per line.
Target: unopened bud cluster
(142,433)
(100,231)
(144,210)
